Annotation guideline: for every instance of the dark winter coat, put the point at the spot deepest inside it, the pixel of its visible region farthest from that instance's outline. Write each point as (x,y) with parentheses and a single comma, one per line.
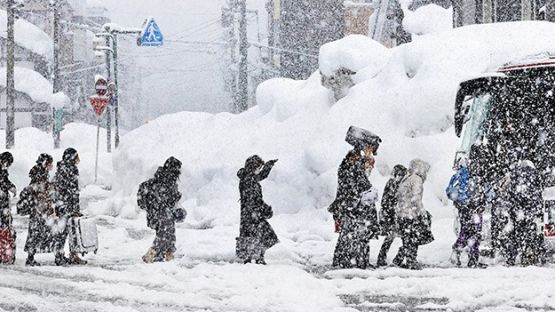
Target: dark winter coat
(159,196)
(525,190)
(67,188)
(389,201)
(254,211)
(5,187)
(358,220)
(352,183)
(40,237)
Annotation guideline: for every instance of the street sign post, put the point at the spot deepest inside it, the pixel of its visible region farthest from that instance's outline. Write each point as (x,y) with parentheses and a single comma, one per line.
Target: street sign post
(98,104)
(151,36)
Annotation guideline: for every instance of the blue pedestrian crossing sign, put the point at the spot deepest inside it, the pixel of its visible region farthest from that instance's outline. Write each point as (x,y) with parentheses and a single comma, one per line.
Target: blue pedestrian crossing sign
(151,36)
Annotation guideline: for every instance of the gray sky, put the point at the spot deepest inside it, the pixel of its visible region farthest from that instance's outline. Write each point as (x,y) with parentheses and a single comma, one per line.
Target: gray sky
(175,77)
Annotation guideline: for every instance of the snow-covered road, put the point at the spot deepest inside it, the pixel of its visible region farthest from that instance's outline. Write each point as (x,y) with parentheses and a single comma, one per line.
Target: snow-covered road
(206,277)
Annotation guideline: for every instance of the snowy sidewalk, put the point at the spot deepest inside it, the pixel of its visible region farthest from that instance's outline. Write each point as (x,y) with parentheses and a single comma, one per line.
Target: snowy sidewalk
(206,277)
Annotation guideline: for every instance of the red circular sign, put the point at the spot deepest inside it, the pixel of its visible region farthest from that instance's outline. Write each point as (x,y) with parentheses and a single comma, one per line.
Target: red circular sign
(101,87)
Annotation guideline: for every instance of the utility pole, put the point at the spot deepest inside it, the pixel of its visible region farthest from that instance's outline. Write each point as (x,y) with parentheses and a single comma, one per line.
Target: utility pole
(116,87)
(243,79)
(56,128)
(10,80)
(108,109)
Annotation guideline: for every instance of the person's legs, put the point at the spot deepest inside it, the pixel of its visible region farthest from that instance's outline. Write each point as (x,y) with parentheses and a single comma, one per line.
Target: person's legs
(386,245)
(412,247)
(404,227)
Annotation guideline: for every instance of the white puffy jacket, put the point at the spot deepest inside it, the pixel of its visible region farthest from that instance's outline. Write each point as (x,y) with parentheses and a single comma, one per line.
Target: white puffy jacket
(411,191)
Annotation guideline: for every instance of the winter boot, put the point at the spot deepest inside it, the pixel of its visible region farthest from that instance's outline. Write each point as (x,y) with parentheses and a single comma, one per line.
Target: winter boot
(381,260)
(150,255)
(475,264)
(398,261)
(169,256)
(456,257)
(60,260)
(31,261)
(74,259)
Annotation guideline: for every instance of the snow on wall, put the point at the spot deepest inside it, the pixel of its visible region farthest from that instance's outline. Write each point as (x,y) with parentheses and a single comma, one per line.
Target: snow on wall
(36,86)
(409,104)
(428,19)
(353,52)
(28,36)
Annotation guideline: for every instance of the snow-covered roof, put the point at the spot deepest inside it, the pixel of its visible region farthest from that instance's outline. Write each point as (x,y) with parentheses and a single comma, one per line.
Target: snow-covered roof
(28,36)
(36,86)
(544,59)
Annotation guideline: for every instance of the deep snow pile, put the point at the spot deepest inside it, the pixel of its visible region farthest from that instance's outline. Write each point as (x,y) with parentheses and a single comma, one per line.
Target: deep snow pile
(28,36)
(428,19)
(31,142)
(36,86)
(409,103)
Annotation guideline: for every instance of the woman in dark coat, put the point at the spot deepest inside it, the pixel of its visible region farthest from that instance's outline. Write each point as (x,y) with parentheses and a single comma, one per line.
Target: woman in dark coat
(388,223)
(255,233)
(67,190)
(40,238)
(354,210)
(6,187)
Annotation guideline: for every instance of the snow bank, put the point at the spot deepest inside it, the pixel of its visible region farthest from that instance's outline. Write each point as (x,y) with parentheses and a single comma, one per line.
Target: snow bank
(36,86)
(31,142)
(408,103)
(428,19)
(353,52)
(28,36)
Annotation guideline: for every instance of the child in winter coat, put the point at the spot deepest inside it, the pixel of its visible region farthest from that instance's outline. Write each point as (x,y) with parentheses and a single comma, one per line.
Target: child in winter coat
(412,218)
(6,187)
(67,188)
(388,224)
(256,235)
(40,237)
(159,196)
(466,192)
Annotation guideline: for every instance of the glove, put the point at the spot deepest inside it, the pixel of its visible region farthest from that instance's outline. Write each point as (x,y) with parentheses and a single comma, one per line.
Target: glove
(272,162)
(369,197)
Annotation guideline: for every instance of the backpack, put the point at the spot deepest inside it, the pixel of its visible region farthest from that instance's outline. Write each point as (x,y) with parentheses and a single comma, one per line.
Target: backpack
(146,200)
(457,190)
(26,201)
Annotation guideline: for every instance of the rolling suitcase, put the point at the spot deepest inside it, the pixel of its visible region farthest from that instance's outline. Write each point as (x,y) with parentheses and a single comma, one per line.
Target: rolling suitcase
(83,235)
(7,245)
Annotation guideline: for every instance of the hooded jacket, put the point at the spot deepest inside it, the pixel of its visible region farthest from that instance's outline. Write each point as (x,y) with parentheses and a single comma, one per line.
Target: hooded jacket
(411,191)
(254,211)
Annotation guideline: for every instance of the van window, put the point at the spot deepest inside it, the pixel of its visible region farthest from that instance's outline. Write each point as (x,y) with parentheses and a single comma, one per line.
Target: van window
(475,128)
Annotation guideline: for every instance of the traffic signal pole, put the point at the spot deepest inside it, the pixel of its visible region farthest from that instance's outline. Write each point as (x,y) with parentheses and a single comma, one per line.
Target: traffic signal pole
(10,80)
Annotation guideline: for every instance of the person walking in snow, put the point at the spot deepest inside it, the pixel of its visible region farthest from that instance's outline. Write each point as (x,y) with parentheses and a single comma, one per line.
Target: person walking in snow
(525,213)
(42,214)
(469,207)
(413,220)
(354,208)
(67,189)
(256,235)
(388,223)
(6,188)
(159,196)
